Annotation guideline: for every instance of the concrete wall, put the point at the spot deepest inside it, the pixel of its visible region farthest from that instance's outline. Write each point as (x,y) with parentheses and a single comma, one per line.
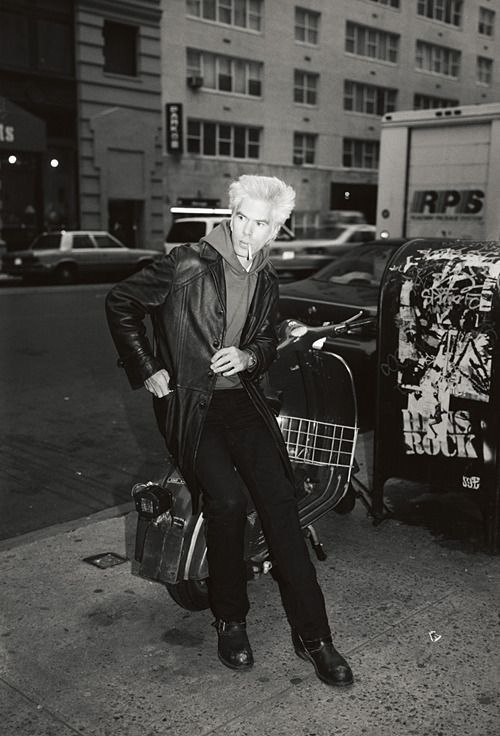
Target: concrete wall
(120,131)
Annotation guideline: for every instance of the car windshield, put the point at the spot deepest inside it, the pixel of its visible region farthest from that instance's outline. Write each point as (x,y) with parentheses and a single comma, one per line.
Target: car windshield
(48,241)
(360,265)
(187,232)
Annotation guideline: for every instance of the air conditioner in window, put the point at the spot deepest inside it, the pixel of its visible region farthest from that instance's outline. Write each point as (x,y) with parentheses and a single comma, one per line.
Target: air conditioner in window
(194,82)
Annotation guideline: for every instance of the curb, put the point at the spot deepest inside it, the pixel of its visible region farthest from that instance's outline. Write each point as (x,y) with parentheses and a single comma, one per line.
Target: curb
(66,526)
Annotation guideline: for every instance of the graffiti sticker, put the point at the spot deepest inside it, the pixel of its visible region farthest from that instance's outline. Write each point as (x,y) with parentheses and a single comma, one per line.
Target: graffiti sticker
(446,336)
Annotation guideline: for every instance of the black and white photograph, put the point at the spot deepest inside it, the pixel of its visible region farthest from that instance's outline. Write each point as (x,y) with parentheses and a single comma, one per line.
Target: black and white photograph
(250,367)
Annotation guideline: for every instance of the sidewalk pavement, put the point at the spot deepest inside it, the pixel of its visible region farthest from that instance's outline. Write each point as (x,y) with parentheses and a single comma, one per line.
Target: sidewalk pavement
(96,651)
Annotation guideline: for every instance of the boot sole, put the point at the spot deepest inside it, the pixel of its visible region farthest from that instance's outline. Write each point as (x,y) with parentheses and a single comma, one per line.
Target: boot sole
(238,667)
(302,655)
(307,658)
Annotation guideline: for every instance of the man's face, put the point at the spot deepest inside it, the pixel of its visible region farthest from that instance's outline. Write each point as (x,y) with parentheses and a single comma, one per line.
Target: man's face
(251,226)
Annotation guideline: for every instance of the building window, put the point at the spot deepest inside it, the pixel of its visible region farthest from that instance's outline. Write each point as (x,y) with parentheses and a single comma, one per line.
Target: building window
(371,42)
(304,149)
(55,46)
(194,64)
(484,70)
(390,3)
(223,140)
(307,26)
(31,39)
(368,98)
(360,154)
(120,48)
(486,21)
(428,102)
(240,13)
(446,11)
(14,39)
(225,73)
(437,59)
(305,87)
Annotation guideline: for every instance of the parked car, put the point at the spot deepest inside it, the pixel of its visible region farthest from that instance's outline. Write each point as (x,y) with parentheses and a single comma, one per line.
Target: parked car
(195,227)
(292,257)
(302,257)
(349,284)
(191,229)
(70,255)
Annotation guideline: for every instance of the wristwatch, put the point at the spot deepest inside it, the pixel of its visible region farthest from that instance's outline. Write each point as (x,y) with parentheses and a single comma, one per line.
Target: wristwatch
(253,360)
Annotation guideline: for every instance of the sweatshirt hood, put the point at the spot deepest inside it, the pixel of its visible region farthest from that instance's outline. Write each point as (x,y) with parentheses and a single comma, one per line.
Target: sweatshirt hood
(220,239)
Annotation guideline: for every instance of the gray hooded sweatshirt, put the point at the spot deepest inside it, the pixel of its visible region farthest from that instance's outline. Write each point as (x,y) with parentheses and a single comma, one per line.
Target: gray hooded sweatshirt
(240,287)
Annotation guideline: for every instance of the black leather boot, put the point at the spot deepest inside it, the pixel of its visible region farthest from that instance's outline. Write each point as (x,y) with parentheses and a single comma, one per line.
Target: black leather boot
(329,664)
(234,649)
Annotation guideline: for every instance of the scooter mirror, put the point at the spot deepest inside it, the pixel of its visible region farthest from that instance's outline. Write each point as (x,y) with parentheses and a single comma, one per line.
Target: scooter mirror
(290,329)
(298,331)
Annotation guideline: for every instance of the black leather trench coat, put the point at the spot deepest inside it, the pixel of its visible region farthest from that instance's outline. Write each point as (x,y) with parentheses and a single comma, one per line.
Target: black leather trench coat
(185,295)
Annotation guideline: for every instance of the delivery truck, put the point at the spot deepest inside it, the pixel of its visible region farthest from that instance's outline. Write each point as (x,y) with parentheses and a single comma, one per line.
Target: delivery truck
(439,173)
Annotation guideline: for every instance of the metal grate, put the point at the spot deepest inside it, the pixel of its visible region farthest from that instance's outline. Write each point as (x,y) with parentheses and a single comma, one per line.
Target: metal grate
(318,443)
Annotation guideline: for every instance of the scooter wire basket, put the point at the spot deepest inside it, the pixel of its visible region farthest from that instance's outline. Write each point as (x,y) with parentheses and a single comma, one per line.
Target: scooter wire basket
(318,443)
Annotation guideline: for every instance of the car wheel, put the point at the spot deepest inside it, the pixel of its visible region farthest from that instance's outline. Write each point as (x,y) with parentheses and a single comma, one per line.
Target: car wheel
(347,502)
(65,274)
(189,594)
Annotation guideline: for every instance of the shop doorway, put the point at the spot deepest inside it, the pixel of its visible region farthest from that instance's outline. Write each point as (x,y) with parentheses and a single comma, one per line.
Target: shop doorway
(125,221)
(20,198)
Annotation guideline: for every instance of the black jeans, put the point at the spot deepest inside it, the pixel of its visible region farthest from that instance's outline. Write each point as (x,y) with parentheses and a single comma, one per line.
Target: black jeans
(236,448)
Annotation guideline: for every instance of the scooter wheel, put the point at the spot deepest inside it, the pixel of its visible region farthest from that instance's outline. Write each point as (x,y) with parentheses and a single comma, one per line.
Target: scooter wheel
(347,502)
(189,594)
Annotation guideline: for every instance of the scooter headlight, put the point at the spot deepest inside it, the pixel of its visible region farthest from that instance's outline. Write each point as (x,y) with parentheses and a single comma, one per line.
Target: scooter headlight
(151,500)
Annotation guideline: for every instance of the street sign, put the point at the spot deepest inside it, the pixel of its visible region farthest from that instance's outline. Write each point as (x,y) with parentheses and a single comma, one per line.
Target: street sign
(174,127)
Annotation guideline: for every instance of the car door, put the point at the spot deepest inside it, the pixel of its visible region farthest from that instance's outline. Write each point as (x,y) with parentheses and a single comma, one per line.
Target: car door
(361,235)
(115,259)
(83,252)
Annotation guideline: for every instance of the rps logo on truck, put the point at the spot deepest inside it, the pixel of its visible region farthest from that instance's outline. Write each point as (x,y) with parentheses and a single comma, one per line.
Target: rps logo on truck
(447,202)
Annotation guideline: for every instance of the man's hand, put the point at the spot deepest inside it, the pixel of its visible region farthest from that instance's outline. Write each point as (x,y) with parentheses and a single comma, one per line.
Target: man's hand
(230,361)
(157,384)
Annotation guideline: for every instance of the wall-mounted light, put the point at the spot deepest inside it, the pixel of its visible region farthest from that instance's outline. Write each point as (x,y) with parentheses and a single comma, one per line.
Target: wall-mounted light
(12,159)
(54,163)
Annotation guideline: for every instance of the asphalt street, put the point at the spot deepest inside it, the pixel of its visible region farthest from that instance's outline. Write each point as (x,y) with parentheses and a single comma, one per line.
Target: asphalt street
(74,437)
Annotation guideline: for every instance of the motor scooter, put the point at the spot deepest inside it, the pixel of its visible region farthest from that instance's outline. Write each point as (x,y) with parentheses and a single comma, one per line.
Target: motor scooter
(312,394)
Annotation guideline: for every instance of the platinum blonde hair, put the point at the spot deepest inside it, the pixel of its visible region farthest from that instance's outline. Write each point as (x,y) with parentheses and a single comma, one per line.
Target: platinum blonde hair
(280,196)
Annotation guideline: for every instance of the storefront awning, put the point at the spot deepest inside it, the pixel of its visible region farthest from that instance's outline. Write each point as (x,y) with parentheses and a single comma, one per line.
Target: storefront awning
(20,130)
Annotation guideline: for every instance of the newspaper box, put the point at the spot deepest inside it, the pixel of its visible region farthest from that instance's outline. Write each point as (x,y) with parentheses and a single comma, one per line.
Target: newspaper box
(438,383)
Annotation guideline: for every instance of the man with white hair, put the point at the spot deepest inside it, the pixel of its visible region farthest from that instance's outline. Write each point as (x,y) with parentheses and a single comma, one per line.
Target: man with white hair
(214,308)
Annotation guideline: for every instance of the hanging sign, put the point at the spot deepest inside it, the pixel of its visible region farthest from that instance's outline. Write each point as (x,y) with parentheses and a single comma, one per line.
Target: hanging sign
(174,127)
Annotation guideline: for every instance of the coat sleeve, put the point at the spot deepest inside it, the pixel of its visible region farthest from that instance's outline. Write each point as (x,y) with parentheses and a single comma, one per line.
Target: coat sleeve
(127,306)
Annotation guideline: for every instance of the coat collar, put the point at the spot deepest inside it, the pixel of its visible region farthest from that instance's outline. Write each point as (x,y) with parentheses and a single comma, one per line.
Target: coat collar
(208,253)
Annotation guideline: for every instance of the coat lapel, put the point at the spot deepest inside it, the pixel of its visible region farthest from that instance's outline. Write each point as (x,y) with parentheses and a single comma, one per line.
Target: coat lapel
(259,296)
(216,267)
